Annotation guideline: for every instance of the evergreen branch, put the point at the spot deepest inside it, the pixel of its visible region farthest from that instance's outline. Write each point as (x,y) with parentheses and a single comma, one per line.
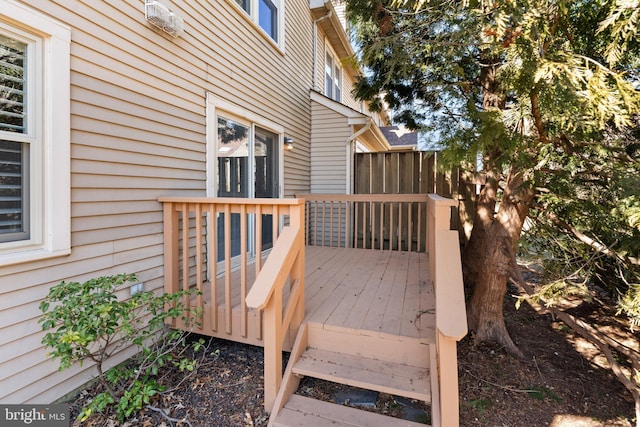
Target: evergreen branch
(599,247)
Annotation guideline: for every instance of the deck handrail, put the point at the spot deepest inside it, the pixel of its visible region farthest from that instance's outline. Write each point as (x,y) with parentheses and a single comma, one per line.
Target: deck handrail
(372,221)
(286,261)
(445,272)
(275,269)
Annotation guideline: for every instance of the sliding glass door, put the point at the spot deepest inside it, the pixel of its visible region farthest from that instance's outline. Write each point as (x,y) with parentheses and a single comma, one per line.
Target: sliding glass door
(247,167)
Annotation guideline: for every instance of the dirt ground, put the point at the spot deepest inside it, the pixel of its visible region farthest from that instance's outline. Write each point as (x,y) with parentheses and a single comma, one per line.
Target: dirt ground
(555,385)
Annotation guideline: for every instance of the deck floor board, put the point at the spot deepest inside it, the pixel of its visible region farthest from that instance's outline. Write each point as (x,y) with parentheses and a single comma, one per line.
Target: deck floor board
(377,293)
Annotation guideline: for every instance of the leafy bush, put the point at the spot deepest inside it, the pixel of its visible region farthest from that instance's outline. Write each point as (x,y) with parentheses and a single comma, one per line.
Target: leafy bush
(88,322)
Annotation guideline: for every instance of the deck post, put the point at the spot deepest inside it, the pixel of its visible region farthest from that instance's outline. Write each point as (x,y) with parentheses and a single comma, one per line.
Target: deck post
(451,322)
(272,351)
(171,260)
(296,218)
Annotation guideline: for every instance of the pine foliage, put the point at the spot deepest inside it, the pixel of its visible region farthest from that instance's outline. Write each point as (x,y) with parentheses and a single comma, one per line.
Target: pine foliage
(564,113)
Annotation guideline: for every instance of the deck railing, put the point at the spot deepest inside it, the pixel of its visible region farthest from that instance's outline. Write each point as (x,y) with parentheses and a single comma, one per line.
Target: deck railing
(209,240)
(445,273)
(372,221)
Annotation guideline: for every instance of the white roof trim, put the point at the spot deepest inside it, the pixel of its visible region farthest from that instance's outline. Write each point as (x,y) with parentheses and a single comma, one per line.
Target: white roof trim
(337,107)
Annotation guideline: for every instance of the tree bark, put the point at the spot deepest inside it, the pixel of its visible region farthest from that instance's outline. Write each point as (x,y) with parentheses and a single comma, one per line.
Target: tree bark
(487,259)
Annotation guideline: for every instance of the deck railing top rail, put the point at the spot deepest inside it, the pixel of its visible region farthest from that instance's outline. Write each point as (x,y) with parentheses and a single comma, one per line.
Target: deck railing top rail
(230,201)
(371,221)
(365,197)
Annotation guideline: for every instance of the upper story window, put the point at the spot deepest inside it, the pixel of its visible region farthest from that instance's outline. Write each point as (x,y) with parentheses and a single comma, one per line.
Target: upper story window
(265,13)
(34,135)
(333,78)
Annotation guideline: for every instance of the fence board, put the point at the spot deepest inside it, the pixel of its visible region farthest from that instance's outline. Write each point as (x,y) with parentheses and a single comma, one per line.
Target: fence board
(415,172)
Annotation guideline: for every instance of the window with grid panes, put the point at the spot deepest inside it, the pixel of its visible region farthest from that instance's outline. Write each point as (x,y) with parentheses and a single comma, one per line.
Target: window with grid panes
(35,193)
(14,143)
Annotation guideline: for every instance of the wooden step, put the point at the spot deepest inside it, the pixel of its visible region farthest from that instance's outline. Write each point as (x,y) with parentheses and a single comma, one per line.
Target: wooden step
(371,374)
(307,412)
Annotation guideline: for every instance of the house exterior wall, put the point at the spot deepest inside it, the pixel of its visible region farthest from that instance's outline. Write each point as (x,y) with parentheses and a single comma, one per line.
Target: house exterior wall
(138,116)
(323,45)
(340,7)
(349,75)
(320,51)
(330,131)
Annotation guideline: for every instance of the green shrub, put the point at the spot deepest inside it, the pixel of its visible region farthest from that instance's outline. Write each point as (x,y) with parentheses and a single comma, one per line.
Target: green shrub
(88,322)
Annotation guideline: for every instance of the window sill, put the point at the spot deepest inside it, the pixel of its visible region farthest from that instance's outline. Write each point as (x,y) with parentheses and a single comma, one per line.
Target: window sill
(21,257)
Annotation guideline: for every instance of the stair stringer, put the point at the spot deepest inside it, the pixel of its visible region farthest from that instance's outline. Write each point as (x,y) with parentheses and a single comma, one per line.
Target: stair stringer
(357,343)
(290,381)
(435,387)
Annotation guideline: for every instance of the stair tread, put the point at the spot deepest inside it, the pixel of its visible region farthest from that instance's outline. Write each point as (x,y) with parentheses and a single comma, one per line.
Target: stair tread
(372,374)
(308,412)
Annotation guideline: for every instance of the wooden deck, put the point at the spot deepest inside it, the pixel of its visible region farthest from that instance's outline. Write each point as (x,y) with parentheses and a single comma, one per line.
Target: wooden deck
(380,317)
(384,293)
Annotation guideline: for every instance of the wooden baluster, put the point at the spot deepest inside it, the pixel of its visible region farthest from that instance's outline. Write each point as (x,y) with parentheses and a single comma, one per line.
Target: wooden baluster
(213,265)
(227,268)
(340,233)
(331,224)
(275,222)
(410,226)
(372,226)
(258,239)
(185,252)
(199,280)
(243,270)
(381,236)
(399,231)
(315,224)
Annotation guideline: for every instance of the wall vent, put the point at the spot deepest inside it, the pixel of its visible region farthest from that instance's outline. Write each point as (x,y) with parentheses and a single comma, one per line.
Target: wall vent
(160,16)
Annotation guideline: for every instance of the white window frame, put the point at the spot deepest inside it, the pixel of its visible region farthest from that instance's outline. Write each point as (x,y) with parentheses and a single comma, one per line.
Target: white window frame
(335,91)
(217,106)
(48,133)
(252,16)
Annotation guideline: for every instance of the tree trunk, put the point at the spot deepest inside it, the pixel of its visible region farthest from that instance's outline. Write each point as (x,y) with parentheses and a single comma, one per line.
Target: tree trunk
(487,256)
(483,218)
(487,259)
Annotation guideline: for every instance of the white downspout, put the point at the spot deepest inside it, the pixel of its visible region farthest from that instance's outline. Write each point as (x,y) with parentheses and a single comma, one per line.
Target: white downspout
(350,150)
(315,48)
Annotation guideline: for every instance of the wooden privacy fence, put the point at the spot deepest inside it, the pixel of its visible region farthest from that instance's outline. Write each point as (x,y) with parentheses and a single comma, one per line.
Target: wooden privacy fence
(419,172)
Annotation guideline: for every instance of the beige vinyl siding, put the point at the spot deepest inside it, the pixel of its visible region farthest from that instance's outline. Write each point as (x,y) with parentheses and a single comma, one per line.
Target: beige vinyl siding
(331,133)
(320,61)
(347,92)
(328,150)
(340,7)
(138,132)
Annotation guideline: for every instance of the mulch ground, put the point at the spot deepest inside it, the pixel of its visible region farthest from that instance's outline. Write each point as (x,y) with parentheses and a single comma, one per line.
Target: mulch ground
(553,386)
